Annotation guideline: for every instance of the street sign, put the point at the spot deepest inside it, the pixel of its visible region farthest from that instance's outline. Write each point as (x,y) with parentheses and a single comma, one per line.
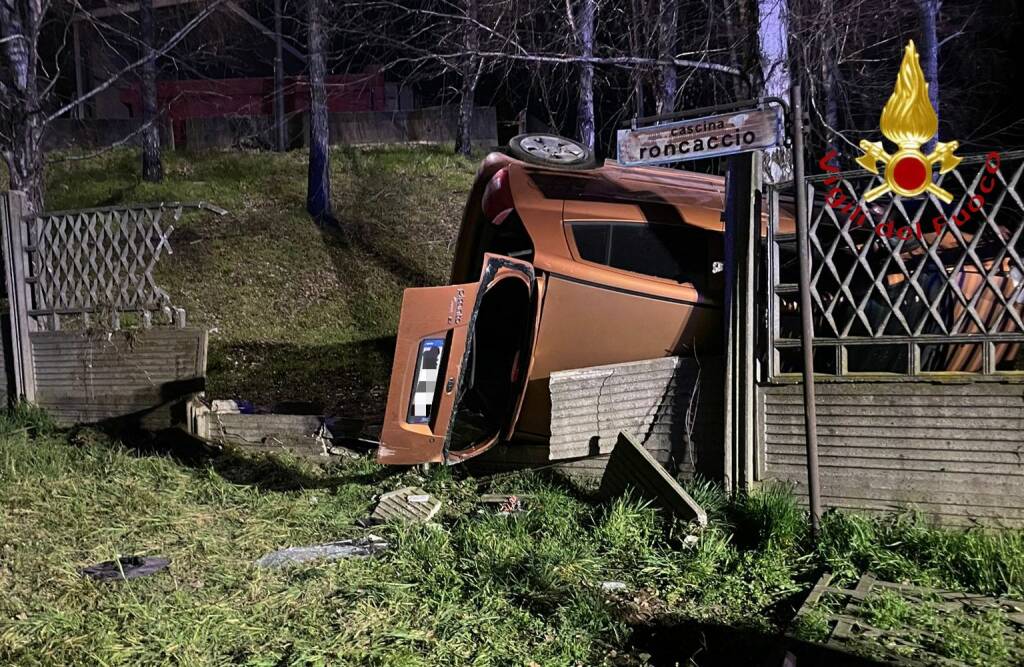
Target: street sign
(711,136)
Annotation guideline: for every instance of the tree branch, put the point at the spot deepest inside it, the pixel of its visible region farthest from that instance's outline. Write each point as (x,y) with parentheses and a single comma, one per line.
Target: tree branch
(170,44)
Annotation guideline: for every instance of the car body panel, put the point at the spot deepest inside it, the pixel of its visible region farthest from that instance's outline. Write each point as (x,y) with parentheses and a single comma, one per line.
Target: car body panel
(590,324)
(431,313)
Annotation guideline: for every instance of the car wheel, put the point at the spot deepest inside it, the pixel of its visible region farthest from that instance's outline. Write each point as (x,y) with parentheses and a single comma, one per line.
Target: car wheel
(552,151)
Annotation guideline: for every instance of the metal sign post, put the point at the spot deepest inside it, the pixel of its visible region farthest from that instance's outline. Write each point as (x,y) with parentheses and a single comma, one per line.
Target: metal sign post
(806,321)
(742,224)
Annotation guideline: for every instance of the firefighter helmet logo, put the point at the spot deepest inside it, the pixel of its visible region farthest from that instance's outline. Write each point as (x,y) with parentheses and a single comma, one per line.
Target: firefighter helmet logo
(908,120)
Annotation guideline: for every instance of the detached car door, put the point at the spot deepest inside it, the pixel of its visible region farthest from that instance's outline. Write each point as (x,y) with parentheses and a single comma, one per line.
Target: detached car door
(461,361)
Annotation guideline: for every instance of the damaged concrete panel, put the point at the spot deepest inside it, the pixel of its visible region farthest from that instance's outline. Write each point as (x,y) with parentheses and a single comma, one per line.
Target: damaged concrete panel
(632,467)
(145,376)
(410,503)
(668,403)
(302,435)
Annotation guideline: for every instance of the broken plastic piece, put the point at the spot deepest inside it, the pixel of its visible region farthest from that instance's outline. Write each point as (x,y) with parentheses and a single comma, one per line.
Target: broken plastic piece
(511,505)
(358,548)
(126,567)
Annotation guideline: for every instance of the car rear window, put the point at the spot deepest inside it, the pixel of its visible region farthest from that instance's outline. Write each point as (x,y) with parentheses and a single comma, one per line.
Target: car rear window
(675,252)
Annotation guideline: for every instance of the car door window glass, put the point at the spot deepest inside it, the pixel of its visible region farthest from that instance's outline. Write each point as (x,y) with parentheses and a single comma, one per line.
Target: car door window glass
(592,242)
(674,252)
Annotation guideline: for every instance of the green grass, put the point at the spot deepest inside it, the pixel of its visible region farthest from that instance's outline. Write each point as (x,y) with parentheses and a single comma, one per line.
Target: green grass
(907,547)
(297,313)
(475,588)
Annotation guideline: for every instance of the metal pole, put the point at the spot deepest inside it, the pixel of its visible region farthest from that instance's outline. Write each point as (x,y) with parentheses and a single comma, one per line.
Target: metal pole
(806,321)
(280,133)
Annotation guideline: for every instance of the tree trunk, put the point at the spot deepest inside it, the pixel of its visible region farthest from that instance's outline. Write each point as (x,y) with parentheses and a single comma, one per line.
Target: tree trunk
(471,65)
(638,31)
(280,131)
(19,28)
(831,84)
(318,191)
(25,162)
(152,165)
(773,35)
(668,24)
(929,53)
(737,23)
(585,108)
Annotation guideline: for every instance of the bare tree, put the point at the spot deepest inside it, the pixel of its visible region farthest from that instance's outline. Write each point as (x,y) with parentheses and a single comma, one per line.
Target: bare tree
(929,12)
(152,165)
(318,190)
(773,36)
(28,102)
(668,27)
(471,66)
(20,26)
(583,29)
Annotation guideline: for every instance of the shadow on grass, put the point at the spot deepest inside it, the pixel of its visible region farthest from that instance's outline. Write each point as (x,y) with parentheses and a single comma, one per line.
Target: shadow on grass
(268,472)
(711,645)
(347,234)
(271,473)
(346,379)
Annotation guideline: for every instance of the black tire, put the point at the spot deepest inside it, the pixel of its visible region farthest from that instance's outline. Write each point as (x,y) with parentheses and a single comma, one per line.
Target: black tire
(551,150)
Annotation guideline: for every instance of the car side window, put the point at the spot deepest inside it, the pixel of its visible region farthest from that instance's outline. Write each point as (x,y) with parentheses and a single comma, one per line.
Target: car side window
(592,242)
(674,252)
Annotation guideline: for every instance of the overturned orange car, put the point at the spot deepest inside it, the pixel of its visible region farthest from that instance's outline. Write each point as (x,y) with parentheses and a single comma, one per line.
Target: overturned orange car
(554,269)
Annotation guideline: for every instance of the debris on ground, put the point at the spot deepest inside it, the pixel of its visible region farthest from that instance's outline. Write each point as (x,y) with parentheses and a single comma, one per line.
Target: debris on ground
(232,407)
(610,586)
(630,466)
(512,504)
(126,567)
(251,428)
(504,503)
(912,624)
(410,503)
(357,548)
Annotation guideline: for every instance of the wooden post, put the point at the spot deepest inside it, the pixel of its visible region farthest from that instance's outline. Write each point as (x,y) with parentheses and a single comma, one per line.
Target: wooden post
(12,211)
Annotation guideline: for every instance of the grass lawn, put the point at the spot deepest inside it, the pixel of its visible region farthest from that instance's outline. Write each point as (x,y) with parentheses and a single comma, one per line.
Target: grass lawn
(475,588)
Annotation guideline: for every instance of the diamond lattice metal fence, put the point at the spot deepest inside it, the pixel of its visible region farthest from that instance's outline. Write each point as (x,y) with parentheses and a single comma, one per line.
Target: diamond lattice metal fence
(906,286)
